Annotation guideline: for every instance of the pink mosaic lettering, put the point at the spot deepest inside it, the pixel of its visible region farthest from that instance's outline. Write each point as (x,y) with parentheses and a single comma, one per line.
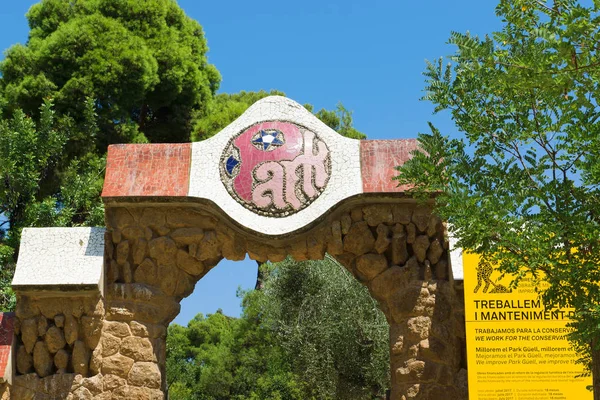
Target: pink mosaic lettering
(276,168)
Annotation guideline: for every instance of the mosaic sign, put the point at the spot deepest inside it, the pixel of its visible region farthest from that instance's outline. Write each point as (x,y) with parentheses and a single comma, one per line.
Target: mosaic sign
(275,168)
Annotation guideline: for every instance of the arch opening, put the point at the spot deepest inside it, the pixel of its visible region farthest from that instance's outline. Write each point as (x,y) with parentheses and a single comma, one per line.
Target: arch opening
(399,252)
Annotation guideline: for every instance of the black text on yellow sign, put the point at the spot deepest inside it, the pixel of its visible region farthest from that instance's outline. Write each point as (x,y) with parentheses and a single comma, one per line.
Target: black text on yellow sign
(516,349)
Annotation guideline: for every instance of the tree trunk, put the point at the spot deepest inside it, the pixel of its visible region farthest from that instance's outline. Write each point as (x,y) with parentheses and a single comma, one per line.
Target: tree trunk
(596,368)
(143,113)
(260,277)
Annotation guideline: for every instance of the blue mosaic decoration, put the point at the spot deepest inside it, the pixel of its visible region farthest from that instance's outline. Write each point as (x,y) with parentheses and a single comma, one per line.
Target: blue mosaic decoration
(268,140)
(230,164)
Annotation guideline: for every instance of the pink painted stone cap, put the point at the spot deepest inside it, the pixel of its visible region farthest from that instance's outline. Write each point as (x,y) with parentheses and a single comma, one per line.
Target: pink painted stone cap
(7,321)
(163,170)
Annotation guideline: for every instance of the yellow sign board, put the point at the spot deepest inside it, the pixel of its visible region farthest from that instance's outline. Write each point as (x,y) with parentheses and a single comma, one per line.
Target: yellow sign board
(516,349)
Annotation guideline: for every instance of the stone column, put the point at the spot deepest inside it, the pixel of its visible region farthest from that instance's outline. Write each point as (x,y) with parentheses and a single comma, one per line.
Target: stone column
(59,314)
(57,338)
(425,349)
(132,355)
(401,254)
(155,256)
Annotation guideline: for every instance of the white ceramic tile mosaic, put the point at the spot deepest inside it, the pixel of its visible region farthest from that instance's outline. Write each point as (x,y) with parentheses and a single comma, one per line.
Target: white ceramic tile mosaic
(55,257)
(456,259)
(345,180)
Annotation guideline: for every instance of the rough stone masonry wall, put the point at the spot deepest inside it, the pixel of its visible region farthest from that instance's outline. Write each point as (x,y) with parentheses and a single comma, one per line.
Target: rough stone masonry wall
(398,251)
(56,340)
(115,348)
(401,253)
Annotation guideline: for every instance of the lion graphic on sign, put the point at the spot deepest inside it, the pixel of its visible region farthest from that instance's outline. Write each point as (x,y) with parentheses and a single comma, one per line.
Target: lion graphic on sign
(484,272)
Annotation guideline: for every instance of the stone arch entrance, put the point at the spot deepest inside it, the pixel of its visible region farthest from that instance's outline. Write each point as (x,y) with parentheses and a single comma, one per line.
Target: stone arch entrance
(275,183)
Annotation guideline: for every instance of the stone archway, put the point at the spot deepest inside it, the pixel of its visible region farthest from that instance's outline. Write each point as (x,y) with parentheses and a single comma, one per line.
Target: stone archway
(276,182)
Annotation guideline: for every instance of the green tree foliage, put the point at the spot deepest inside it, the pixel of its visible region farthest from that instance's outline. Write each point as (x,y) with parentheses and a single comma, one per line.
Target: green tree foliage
(116,71)
(218,357)
(144,63)
(331,327)
(8,300)
(225,108)
(523,189)
(313,332)
(339,120)
(29,152)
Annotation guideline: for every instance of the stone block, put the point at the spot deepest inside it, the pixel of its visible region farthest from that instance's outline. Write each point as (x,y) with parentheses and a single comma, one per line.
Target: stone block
(153,218)
(42,361)
(188,263)
(145,374)
(388,282)
(335,244)
(163,250)
(146,272)
(94,384)
(137,348)
(383,241)
(359,239)
(117,365)
(370,265)
(412,372)
(139,251)
(378,214)
(112,382)
(209,247)
(80,358)
(55,339)
(435,251)
(24,361)
(138,329)
(110,344)
(402,213)
(61,359)
(71,329)
(116,328)
(356,214)
(137,393)
(420,218)
(420,247)
(122,252)
(411,233)
(187,236)
(29,333)
(399,249)
(59,321)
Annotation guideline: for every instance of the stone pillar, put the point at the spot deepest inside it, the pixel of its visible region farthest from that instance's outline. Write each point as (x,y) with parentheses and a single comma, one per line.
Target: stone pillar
(401,254)
(155,256)
(60,311)
(425,349)
(132,357)
(57,338)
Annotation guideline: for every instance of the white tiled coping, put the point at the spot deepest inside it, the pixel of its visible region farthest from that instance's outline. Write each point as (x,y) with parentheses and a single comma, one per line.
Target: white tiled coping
(60,259)
(456,259)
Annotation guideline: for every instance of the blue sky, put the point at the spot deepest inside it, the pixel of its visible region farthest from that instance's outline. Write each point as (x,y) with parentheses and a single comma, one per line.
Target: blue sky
(370,55)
